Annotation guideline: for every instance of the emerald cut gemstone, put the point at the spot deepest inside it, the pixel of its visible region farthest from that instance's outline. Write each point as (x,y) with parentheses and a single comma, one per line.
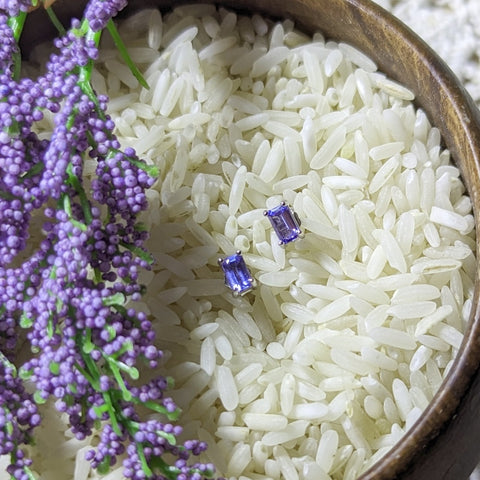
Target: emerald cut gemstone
(285,222)
(237,276)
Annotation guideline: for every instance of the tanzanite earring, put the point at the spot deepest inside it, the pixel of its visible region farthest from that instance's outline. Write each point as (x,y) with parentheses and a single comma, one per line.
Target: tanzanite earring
(285,222)
(237,276)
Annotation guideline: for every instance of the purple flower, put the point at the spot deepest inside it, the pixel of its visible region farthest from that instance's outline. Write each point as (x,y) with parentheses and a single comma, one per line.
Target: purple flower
(18,417)
(98,13)
(14,7)
(71,294)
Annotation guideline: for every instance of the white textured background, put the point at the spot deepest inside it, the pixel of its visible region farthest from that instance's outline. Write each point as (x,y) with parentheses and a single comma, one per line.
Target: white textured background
(452,29)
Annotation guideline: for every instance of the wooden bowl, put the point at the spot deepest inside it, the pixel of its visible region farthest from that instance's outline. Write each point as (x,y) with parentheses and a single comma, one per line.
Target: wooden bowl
(445,441)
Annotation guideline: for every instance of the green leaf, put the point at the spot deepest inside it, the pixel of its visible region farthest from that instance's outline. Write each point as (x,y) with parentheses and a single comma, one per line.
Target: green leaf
(55,368)
(16,24)
(81,226)
(9,427)
(111,332)
(39,400)
(170,438)
(53,273)
(66,204)
(116,299)
(8,363)
(25,322)
(50,327)
(104,466)
(88,346)
(99,411)
(25,374)
(29,473)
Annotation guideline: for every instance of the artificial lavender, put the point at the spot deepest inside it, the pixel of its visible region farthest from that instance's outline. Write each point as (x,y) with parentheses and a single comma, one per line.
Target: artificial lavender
(72,296)
(14,7)
(18,417)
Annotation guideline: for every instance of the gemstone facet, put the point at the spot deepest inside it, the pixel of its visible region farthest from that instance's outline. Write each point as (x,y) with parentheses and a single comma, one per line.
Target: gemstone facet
(237,276)
(285,222)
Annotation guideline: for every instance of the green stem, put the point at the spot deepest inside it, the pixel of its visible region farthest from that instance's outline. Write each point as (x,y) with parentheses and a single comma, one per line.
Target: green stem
(112,414)
(152,170)
(56,22)
(77,185)
(132,371)
(87,375)
(126,347)
(141,455)
(86,71)
(127,395)
(67,207)
(168,471)
(138,251)
(159,409)
(25,469)
(112,29)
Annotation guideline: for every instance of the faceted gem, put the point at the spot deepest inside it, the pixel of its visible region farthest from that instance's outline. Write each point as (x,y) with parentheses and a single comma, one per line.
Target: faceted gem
(237,276)
(285,222)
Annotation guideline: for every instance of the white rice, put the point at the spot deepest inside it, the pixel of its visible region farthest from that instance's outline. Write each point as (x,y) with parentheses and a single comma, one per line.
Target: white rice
(321,369)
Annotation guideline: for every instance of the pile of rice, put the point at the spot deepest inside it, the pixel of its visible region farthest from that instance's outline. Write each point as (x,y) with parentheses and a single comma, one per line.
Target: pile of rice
(321,369)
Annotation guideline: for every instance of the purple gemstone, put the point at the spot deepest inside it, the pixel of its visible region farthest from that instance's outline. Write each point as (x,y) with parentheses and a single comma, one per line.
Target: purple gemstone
(285,223)
(237,276)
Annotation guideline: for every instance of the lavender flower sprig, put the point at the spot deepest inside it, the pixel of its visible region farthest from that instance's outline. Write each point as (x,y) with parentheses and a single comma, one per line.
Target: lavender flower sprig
(72,295)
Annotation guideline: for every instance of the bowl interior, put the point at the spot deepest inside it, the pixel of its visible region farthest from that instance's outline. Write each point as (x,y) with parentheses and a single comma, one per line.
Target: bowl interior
(450,423)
